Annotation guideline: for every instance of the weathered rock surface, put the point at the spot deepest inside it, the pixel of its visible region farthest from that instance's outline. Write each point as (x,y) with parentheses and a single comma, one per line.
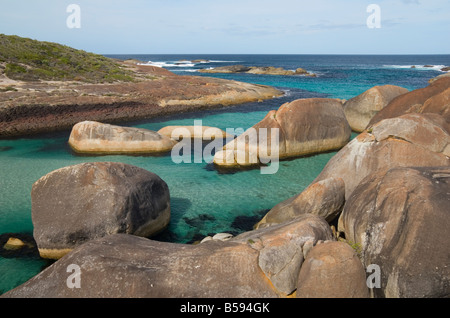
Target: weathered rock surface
(408,140)
(262,263)
(266,70)
(332,270)
(78,203)
(98,138)
(415,101)
(281,248)
(324,198)
(299,128)
(194,132)
(359,110)
(401,218)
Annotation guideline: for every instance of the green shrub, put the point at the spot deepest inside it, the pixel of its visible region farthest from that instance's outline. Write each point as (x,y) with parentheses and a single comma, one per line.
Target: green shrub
(34,60)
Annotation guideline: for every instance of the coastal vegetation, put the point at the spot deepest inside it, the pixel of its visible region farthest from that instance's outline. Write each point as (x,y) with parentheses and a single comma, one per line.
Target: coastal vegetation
(31,60)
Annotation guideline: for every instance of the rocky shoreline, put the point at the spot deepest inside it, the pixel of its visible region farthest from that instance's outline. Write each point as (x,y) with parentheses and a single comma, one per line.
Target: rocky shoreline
(380,203)
(267,70)
(35,107)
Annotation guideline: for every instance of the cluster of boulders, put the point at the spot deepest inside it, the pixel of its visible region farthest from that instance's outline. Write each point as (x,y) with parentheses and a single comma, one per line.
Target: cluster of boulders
(380,203)
(91,137)
(261,70)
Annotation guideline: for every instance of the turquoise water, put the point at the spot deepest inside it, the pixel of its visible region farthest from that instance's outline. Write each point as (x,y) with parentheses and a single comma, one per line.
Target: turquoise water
(203,200)
(196,189)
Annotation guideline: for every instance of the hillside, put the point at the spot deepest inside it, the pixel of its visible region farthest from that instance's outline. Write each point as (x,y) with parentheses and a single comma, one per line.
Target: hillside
(48,87)
(31,60)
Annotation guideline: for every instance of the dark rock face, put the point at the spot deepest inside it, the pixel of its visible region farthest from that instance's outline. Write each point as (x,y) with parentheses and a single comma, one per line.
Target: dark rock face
(261,263)
(401,218)
(78,203)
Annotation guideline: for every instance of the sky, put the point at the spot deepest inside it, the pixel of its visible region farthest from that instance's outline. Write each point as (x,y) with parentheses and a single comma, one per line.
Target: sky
(235,26)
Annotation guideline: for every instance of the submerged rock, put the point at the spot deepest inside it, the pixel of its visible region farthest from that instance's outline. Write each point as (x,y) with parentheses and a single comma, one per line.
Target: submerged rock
(92,137)
(400,217)
(78,203)
(360,109)
(13,244)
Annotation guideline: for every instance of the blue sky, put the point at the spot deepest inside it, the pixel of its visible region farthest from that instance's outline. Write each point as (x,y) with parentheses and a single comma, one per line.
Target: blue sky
(235,26)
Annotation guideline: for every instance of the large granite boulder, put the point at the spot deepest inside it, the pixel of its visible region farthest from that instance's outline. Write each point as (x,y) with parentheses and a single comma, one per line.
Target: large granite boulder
(194,132)
(401,218)
(324,198)
(282,248)
(332,270)
(92,137)
(299,128)
(359,110)
(419,101)
(78,203)
(408,140)
(257,264)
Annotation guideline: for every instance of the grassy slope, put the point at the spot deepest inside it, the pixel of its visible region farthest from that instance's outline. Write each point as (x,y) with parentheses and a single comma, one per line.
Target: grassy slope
(31,60)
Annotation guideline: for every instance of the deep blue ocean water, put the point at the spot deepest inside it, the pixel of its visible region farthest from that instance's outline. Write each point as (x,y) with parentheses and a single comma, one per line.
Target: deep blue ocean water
(204,201)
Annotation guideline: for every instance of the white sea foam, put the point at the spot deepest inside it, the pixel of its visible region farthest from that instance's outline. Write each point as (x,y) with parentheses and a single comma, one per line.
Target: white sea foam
(417,67)
(169,64)
(183,63)
(219,61)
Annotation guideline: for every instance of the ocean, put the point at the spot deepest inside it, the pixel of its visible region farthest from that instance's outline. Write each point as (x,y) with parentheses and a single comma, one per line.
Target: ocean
(203,200)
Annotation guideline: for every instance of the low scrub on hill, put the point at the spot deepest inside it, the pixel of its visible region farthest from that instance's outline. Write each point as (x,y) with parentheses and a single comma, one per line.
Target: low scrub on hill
(31,60)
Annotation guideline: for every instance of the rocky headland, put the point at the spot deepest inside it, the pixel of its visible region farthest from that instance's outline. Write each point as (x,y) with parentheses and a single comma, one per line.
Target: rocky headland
(50,96)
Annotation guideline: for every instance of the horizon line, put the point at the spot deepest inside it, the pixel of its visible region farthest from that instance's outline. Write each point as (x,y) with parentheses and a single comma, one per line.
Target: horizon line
(274,53)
